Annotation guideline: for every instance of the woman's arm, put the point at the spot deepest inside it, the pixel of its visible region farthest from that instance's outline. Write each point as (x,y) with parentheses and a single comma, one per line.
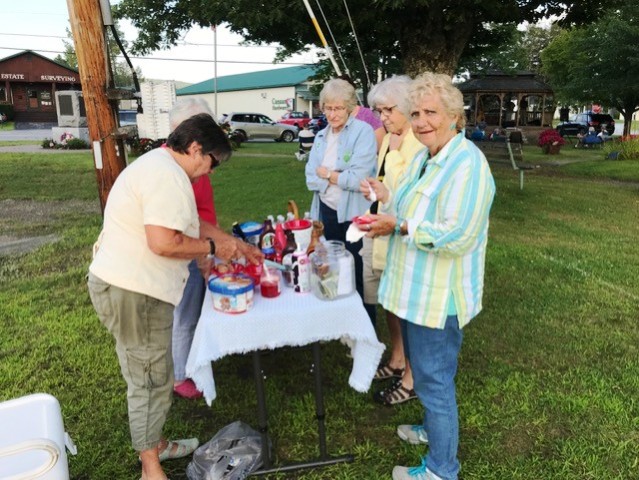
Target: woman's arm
(171,243)
(463,208)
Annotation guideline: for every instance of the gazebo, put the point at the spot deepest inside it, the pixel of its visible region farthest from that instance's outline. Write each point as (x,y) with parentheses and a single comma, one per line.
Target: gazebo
(508,100)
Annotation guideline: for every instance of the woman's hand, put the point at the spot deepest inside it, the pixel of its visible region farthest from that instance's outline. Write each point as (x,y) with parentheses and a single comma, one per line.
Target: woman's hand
(381,192)
(382,224)
(322,172)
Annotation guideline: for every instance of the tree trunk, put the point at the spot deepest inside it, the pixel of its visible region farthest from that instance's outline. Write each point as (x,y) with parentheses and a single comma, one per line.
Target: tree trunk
(90,47)
(428,45)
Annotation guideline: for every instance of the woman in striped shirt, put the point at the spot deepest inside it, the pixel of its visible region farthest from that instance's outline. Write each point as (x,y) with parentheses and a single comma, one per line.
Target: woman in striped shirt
(437,223)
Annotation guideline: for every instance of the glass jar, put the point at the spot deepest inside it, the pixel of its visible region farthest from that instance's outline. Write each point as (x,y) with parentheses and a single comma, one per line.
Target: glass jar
(332,271)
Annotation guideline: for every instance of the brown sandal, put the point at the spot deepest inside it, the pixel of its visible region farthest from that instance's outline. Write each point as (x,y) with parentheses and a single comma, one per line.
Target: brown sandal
(385,371)
(395,395)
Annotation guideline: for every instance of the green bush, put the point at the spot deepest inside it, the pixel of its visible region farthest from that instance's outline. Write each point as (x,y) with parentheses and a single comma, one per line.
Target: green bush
(76,144)
(623,149)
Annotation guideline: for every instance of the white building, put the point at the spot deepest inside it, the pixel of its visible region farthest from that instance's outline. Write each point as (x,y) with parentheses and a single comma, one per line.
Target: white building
(270,92)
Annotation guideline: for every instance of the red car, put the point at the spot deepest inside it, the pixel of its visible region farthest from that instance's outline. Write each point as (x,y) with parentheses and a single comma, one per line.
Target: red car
(297,119)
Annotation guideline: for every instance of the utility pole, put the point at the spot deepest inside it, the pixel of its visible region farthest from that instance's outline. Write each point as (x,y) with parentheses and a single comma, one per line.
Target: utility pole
(91,49)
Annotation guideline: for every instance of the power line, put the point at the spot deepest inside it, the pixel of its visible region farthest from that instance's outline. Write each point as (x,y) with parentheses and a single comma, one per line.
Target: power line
(170,59)
(180,43)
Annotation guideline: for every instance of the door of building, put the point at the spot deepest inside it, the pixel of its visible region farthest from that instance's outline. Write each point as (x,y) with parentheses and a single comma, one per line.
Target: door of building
(32,99)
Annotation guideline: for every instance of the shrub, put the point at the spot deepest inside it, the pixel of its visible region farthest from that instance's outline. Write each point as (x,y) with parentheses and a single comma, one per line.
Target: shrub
(76,144)
(622,149)
(550,137)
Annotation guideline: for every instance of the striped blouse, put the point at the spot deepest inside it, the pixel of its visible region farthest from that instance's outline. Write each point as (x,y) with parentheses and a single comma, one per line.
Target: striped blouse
(444,253)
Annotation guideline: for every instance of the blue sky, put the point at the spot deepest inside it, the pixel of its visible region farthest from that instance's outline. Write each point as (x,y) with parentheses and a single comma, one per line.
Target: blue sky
(40,25)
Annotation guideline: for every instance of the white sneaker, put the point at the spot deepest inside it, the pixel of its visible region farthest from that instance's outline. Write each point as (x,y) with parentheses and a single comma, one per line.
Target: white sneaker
(413,434)
(414,473)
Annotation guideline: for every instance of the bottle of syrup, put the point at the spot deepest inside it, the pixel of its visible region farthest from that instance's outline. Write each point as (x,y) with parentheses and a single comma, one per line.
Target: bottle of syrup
(267,240)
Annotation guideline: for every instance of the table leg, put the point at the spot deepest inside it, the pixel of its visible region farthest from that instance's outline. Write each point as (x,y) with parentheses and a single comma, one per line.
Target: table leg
(319,400)
(261,408)
(324,459)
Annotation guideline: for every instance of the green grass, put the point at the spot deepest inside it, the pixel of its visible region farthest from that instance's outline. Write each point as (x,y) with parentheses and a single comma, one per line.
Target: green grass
(548,378)
(11,143)
(7,126)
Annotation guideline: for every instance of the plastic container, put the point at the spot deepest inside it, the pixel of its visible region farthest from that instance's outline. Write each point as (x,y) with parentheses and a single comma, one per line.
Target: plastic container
(270,282)
(232,293)
(33,440)
(252,231)
(301,229)
(332,271)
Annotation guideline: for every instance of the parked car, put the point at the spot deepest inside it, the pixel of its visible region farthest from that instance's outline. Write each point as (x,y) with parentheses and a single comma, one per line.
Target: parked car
(297,119)
(253,126)
(582,121)
(318,123)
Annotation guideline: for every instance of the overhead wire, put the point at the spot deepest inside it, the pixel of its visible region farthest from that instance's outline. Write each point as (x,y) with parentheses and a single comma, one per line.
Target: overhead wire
(359,48)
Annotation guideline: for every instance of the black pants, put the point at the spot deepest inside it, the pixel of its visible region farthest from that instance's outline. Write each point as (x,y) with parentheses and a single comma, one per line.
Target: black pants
(333,230)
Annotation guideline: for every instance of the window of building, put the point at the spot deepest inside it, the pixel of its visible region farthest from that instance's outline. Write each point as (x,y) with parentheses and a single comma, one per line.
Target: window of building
(3,94)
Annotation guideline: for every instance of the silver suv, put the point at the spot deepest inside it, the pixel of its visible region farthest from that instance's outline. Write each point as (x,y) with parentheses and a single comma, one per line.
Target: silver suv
(253,126)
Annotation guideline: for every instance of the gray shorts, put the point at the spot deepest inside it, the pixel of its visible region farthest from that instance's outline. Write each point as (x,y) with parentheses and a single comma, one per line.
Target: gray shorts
(370,275)
(141,326)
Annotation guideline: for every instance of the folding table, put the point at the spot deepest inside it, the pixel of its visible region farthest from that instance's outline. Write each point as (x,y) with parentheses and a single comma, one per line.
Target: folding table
(292,319)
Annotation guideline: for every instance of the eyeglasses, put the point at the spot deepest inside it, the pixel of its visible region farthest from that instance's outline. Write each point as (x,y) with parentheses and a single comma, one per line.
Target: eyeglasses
(388,111)
(214,161)
(334,109)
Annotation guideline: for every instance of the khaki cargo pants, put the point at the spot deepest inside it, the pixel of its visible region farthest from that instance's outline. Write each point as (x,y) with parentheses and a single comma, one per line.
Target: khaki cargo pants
(141,326)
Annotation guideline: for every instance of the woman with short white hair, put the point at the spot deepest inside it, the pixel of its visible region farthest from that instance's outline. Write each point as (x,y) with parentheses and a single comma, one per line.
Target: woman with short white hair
(343,154)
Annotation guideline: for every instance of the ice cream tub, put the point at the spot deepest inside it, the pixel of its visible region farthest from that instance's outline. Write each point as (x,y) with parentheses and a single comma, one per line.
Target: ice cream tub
(232,292)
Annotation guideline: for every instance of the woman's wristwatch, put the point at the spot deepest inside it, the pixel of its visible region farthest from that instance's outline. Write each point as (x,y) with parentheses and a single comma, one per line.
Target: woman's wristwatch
(211,246)
(401,227)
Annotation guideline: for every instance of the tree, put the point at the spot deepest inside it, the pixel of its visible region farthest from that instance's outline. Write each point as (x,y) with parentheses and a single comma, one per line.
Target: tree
(598,64)
(122,75)
(422,34)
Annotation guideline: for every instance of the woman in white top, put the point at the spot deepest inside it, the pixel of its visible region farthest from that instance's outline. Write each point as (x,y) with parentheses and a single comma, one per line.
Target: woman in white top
(150,233)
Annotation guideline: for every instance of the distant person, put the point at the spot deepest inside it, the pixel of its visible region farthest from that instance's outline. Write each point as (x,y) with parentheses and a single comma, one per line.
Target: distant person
(151,231)
(306,138)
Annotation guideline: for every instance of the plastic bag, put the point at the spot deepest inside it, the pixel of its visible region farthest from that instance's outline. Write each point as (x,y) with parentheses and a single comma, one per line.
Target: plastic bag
(232,454)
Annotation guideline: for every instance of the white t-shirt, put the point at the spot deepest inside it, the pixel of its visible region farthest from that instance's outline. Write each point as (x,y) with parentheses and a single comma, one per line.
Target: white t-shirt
(331,196)
(153,190)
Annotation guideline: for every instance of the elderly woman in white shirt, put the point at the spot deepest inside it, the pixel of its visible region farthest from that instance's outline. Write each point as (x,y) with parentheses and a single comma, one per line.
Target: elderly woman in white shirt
(150,233)
(343,154)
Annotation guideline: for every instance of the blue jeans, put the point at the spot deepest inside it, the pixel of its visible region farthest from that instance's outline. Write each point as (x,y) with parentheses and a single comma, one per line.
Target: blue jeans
(433,355)
(185,318)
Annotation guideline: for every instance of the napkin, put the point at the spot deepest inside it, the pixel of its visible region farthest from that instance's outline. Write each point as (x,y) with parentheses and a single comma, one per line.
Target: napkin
(354,234)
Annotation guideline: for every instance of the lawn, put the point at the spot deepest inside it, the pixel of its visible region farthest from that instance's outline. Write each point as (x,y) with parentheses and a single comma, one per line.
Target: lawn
(549,372)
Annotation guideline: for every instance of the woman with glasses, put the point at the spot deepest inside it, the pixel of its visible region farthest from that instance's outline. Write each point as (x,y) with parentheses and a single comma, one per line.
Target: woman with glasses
(437,223)
(343,154)
(151,231)
(389,101)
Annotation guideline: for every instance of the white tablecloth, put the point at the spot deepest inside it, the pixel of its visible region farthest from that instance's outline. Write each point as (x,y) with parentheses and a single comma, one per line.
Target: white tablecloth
(292,319)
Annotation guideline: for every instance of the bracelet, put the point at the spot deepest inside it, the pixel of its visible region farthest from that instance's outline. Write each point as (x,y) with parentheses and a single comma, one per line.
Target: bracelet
(211,246)
(398,226)
(328,176)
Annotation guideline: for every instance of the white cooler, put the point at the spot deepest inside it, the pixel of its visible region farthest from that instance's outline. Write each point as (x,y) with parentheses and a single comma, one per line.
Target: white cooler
(33,440)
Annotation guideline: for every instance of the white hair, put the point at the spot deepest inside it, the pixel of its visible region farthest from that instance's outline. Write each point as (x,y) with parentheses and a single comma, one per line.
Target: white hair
(186,109)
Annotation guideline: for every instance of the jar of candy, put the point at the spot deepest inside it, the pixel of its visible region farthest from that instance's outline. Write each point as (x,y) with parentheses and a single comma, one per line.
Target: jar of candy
(332,271)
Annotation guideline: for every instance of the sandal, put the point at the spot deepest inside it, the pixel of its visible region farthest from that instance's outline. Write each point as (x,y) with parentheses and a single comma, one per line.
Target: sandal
(178,449)
(395,395)
(385,371)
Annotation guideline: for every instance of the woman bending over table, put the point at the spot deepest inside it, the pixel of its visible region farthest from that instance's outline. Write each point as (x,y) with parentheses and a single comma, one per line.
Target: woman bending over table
(138,273)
